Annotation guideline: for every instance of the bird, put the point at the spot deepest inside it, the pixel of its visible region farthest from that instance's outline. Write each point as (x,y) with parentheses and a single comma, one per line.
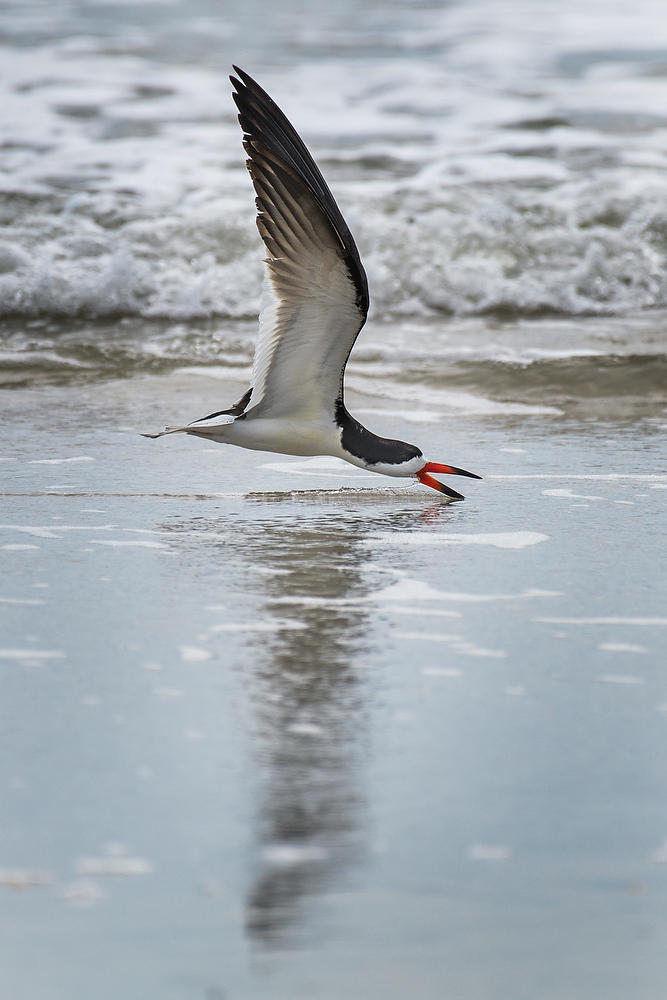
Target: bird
(317,305)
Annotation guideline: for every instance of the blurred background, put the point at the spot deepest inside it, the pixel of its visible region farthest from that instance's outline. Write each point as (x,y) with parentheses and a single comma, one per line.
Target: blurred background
(495,161)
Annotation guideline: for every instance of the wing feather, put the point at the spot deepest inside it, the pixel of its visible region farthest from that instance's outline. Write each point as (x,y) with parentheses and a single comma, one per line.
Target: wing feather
(318,294)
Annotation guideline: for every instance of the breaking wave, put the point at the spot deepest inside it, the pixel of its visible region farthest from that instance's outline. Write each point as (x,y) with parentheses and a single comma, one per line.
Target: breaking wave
(501,252)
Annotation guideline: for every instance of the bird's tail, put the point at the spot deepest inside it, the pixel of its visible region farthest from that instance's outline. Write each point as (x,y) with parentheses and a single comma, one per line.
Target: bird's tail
(167,430)
(211,427)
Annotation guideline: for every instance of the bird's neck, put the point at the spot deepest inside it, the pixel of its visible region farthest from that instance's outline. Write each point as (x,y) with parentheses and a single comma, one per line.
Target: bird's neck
(358,441)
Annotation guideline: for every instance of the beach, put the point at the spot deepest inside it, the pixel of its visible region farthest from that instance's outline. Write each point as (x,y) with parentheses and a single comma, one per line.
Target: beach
(274,730)
(272,726)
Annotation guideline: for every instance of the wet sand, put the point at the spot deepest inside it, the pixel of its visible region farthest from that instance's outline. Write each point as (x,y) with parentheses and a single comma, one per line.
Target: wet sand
(276,728)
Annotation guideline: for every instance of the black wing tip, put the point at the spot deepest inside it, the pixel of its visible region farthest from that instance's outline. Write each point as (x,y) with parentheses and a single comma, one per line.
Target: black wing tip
(264,124)
(243,81)
(241,84)
(236,410)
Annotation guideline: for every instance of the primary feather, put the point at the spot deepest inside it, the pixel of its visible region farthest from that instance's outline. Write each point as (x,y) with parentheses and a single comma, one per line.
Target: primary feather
(318,293)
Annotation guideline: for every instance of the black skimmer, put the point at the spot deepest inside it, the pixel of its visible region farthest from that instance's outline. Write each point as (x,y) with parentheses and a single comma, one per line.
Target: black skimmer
(319,302)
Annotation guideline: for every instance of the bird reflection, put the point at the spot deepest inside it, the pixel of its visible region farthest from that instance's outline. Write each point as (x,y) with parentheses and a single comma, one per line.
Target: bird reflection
(309,707)
(305,568)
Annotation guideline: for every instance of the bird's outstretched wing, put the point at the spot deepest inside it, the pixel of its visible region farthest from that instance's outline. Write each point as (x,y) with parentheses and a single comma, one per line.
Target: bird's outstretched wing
(318,294)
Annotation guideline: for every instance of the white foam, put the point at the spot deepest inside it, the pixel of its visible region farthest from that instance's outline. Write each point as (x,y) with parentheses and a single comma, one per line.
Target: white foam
(288,855)
(306,601)
(305,729)
(569,495)
(452,672)
(113,865)
(407,589)
(34,532)
(628,679)
(457,642)
(604,621)
(143,543)
(194,654)
(417,590)
(499,540)
(53,531)
(429,637)
(621,647)
(24,878)
(61,461)
(31,654)
(412,611)
(609,477)
(470,649)
(18,547)
(28,601)
(152,531)
(402,590)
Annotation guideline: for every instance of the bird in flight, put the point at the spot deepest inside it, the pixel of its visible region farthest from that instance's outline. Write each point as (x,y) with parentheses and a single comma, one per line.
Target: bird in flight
(318,305)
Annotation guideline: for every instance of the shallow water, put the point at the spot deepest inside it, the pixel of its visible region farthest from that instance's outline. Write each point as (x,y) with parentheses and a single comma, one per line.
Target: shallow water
(273,727)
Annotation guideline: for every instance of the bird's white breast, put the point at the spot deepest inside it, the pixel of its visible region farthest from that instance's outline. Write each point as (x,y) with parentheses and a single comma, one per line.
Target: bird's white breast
(286,436)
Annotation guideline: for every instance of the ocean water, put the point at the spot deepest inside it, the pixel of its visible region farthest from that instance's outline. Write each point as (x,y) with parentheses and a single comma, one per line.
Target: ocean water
(273,727)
